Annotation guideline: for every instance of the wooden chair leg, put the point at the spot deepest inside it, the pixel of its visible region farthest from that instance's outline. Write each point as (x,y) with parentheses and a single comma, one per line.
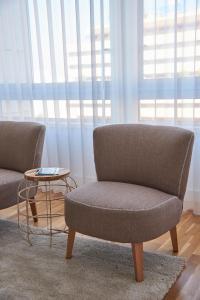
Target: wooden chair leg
(137,251)
(33,210)
(173,234)
(70,243)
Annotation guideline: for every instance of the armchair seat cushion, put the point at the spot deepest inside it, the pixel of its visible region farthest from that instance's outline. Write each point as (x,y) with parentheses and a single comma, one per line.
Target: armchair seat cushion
(121,212)
(9,181)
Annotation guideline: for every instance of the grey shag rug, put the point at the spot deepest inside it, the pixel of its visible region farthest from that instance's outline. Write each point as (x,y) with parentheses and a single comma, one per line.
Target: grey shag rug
(98,270)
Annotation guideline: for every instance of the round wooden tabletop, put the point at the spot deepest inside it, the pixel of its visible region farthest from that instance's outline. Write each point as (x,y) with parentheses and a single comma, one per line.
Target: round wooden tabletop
(32,175)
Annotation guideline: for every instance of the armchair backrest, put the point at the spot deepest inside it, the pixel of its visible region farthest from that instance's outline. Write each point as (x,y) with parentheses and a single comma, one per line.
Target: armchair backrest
(21,145)
(153,156)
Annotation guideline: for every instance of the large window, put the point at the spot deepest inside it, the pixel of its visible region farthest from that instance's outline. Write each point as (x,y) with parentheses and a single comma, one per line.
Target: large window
(72,42)
(170,61)
(55,53)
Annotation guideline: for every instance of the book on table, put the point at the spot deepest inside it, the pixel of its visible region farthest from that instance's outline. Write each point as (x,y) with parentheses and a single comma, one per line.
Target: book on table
(47,171)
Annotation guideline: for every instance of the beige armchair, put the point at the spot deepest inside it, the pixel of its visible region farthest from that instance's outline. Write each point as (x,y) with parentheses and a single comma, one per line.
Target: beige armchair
(142,173)
(21,145)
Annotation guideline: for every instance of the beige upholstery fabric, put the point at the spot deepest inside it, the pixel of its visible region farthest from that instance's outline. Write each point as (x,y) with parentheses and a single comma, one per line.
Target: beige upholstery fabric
(142,174)
(154,156)
(9,181)
(21,145)
(121,212)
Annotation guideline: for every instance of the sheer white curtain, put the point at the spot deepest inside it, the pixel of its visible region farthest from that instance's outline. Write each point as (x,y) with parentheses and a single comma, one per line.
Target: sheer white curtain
(55,69)
(169,74)
(157,47)
(77,64)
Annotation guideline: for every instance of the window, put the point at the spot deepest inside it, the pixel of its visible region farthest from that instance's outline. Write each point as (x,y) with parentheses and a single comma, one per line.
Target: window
(170,60)
(57,55)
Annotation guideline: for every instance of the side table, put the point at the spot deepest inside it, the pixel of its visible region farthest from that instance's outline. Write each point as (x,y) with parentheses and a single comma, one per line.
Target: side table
(29,186)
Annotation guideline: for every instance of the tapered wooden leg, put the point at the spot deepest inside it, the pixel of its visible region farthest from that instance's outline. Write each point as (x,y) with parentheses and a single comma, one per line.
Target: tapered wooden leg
(137,250)
(34,210)
(70,243)
(173,234)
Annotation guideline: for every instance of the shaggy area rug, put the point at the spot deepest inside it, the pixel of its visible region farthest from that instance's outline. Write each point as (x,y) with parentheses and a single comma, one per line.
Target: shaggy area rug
(98,270)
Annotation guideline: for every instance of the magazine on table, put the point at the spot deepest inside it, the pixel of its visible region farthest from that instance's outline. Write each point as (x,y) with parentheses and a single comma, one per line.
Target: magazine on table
(47,171)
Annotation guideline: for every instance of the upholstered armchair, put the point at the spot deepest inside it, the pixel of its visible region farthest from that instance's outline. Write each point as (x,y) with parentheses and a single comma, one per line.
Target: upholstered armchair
(21,145)
(142,173)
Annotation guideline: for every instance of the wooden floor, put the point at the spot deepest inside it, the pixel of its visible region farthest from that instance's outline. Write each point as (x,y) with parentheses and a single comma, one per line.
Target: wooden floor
(188,284)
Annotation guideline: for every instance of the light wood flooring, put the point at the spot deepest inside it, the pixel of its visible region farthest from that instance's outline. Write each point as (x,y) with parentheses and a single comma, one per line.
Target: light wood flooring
(188,284)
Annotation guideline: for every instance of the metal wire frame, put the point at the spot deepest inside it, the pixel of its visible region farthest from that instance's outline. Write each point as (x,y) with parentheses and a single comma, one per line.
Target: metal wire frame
(24,196)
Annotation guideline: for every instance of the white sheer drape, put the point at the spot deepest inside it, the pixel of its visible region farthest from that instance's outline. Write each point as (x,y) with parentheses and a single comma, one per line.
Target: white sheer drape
(170,60)
(77,64)
(55,69)
(156,67)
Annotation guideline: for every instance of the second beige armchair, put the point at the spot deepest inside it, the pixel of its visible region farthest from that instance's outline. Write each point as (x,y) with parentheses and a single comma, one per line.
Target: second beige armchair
(21,145)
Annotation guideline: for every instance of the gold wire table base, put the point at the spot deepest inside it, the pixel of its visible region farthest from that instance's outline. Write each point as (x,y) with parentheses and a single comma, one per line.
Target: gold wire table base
(26,192)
